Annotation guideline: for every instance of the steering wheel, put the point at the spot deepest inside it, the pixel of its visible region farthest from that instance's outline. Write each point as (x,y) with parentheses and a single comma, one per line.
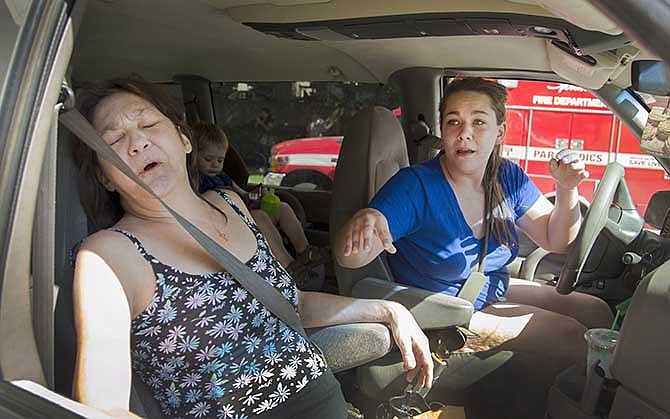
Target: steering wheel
(594,221)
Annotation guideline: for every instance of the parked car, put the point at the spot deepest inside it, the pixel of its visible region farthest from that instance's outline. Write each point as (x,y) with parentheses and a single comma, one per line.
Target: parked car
(304,163)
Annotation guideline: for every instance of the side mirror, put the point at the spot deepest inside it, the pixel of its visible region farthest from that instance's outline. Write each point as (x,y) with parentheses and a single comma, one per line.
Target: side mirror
(657,208)
(651,76)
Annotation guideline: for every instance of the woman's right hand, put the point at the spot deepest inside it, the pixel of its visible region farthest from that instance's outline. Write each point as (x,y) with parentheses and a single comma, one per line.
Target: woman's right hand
(413,345)
(364,226)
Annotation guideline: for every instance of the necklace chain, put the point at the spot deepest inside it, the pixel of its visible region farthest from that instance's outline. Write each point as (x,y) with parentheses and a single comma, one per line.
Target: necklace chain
(221,233)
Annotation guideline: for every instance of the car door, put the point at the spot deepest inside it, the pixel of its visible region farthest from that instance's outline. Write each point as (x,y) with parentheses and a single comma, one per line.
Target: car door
(35,48)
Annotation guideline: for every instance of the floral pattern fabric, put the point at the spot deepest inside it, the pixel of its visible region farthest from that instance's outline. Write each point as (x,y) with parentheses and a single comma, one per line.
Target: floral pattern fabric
(208,349)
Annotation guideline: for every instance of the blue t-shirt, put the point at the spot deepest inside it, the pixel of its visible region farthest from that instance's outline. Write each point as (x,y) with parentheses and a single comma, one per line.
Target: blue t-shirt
(215,182)
(437,249)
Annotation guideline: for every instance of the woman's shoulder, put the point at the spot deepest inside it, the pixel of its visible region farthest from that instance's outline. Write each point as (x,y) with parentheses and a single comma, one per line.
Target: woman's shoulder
(106,263)
(510,166)
(103,240)
(424,175)
(510,172)
(515,181)
(115,247)
(412,183)
(420,171)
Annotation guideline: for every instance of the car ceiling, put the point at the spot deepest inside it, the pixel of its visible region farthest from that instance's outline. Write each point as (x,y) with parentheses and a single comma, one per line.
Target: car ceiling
(161,38)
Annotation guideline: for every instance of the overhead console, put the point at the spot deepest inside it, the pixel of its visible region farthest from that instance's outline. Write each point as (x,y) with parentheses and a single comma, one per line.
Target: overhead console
(566,36)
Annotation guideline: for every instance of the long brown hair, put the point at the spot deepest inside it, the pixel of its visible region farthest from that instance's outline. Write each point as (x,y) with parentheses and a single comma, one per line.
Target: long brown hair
(496,210)
(103,207)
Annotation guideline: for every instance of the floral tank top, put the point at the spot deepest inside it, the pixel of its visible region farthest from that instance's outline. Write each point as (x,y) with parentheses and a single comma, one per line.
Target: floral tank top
(207,348)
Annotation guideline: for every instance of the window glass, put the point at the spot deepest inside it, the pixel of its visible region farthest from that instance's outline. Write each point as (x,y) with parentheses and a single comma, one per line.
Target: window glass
(289,133)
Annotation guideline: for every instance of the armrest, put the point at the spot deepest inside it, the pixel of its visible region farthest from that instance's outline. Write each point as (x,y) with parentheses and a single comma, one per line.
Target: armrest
(346,346)
(431,310)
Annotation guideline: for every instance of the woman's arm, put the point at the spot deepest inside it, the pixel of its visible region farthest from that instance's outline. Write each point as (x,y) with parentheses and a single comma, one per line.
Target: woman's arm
(321,309)
(363,238)
(102,320)
(399,206)
(554,227)
(565,219)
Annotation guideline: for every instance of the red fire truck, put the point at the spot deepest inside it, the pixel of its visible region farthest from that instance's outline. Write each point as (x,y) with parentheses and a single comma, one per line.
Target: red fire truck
(542,118)
(545,117)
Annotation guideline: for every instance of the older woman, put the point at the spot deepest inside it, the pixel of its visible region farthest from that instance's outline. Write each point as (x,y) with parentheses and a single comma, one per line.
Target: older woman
(431,218)
(147,295)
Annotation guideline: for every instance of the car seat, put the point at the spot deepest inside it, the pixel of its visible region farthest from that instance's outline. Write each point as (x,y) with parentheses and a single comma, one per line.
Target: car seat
(640,366)
(234,166)
(71,227)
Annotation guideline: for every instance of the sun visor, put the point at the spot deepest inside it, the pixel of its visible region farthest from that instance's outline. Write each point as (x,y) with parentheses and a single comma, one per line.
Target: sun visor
(589,71)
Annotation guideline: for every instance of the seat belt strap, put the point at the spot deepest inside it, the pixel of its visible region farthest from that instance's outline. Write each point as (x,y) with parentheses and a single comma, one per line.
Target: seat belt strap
(265,293)
(474,283)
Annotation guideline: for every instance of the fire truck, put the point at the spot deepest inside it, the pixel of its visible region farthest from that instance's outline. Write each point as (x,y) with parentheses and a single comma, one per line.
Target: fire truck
(542,118)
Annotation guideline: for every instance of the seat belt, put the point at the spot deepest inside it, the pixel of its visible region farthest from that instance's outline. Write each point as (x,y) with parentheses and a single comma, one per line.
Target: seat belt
(474,283)
(265,293)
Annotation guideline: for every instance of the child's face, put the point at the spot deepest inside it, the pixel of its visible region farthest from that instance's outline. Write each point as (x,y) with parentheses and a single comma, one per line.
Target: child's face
(210,159)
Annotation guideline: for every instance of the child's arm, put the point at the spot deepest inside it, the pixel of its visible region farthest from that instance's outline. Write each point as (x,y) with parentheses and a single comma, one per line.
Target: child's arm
(238,189)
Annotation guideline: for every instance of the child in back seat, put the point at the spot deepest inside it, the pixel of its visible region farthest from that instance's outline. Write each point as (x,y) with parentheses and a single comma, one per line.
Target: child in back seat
(211,145)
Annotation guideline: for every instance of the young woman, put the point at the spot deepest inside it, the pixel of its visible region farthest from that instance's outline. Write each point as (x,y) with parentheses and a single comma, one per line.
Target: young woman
(147,295)
(431,218)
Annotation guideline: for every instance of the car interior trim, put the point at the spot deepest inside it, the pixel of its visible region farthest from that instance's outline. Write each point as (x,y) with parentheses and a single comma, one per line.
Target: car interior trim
(48,48)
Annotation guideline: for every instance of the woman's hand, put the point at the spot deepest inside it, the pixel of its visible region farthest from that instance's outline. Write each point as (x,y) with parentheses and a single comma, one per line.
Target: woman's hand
(413,345)
(320,309)
(567,169)
(363,226)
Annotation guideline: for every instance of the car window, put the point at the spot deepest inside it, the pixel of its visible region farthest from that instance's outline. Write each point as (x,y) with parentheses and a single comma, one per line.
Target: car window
(12,16)
(289,133)
(544,117)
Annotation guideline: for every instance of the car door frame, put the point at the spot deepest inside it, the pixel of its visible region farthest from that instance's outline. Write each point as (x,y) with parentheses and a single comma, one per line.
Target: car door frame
(28,111)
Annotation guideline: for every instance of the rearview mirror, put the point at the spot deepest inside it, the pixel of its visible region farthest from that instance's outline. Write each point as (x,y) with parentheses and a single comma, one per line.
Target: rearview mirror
(651,76)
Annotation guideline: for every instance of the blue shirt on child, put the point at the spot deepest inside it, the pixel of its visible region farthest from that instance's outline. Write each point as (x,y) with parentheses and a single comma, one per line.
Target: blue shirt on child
(215,182)
(436,248)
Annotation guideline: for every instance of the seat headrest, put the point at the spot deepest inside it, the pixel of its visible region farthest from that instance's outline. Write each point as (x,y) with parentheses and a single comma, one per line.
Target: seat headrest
(418,129)
(373,150)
